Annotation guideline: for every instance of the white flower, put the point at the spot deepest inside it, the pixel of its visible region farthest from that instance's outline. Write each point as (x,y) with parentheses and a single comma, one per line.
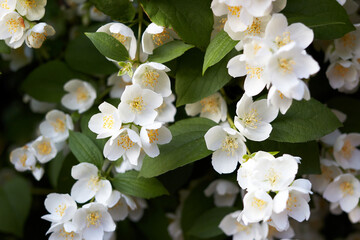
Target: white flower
(343,75)
(37,35)
(126,165)
(97,15)
(7,6)
(89,184)
(253,118)
(329,171)
(167,110)
(119,83)
(106,123)
(229,148)
(31,9)
(136,214)
(58,232)
(212,107)
(345,189)
(257,206)
(174,227)
(38,172)
(81,95)
(138,105)
(152,75)
(126,143)
(92,220)
(224,192)
(18,58)
(349,44)
(119,205)
(44,149)
(12,28)
(247,169)
(152,135)
(38,106)
(56,126)
(123,34)
(61,208)
(354,215)
(346,152)
(23,158)
(155,36)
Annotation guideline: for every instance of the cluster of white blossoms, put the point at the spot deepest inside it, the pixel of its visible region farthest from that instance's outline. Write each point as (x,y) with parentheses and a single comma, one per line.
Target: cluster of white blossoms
(54,132)
(16,24)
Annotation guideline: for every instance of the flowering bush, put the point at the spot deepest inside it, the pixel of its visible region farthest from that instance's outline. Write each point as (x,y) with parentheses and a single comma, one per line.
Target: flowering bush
(125,98)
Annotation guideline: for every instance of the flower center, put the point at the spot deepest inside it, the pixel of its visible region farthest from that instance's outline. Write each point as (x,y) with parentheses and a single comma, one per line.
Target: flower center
(93,183)
(281,95)
(341,70)
(258,203)
(66,235)
(150,77)
(234,10)
(137,104)
(153,135)
(291,202)
(125,142)
(210,104)
(60,210)
(108,122)
(283,40)
(255,28)
(251,119)
(13,24)
(254,71)
(58,125)
(81,94)
(347,188)
(28,3)
(286,65)
(4,4)
(161,108)
(161,38)
(93,219)
(348,40)
(38,38)
(121,38)
(44,148)
(257,47)
(229,145)
(243,228)
(272,176)
(23,159)
(347,149)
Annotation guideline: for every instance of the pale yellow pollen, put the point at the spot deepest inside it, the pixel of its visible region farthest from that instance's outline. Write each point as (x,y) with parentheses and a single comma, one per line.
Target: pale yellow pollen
(254,71)
(229,145)
(291,203)
(222,22)
(153,135)
(44,148)
(348,40)
(23,159)
(81,94)
(4,4)
(258,203)
(281,95)
(347,188)
(38,38)
(28,3)
(125,142)
(60,210)
(257,47)
(243,228)
(161,38)
(94,183)
(234,10)
(286,65)
(95,10)
(13,24)
(210,104)
(93,219)
(326,172)
(251,119)
(121,38)
(66,235)
(137,104)
(108,122)
(58,125)
(161,108)
(347,149)
(283,40)
(340,70)
(255,28)
(272,176)
(150,77)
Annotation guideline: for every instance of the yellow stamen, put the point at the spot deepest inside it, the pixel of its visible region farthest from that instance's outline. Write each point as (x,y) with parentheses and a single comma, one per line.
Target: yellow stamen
(137,104)
(281,95)
(81,94)
(257,47)
(283,40)
(150,77)
(161,38)
(349,40)
(108,122)
(286,65)
(210,104)
(44,148)
(121,38)
(4,4)
(153,135)
(251,119)
(125,142)
(254,71)
(28,3)
(234,10)
(255,28)
(23,159)
(58,125)
(291,203)
(66,235)
(258,203)
(93,219)
(60,209)
(38,38)
(347,149)
(94,183)
(341,70)
(347,188)
(13,24)
(229,145)
(272,176)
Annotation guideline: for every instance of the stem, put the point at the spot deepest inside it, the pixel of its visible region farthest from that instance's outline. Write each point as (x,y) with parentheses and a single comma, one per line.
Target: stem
(231,122)
(247,150)
(140,20)
(107,173)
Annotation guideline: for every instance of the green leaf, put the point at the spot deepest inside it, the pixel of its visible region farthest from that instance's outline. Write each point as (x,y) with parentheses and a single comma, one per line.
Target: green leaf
(191,86)
(349,106)
(187,146)
(81,55)
(304,121)
(327,18)
(121,10)
(108,46)
(46,83)
(4,48)
(169,51)
(219,46)
(84,149)
(207,224)
(55,167)
(309,153)
(15,202)
(191,20)
(130,183)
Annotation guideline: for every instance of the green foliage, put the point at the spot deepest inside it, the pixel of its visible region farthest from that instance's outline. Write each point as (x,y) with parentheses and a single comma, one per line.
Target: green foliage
(120,10)
(349,106)
(327,18)
(81,55)
(187,146)
(130,183)
(304,122)
(191,20)
(169,51)
(4,48)
(108,46)
(15,202)
(221,45)
(55,167)
(191,85)
(84,149)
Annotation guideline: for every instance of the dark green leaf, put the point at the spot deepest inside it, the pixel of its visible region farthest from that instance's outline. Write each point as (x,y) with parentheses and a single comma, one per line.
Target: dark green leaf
(108,46)
(304,121)
(46,83)
(191,20)
(187,146)
(207,224)
(121,10)
(327,18)
(191,86)
(309,153)
(15,202)
(54,169)
(219,46)
(349,106)
(82,56)
(169,51)
(84,149)
(130,183)
(4,48)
